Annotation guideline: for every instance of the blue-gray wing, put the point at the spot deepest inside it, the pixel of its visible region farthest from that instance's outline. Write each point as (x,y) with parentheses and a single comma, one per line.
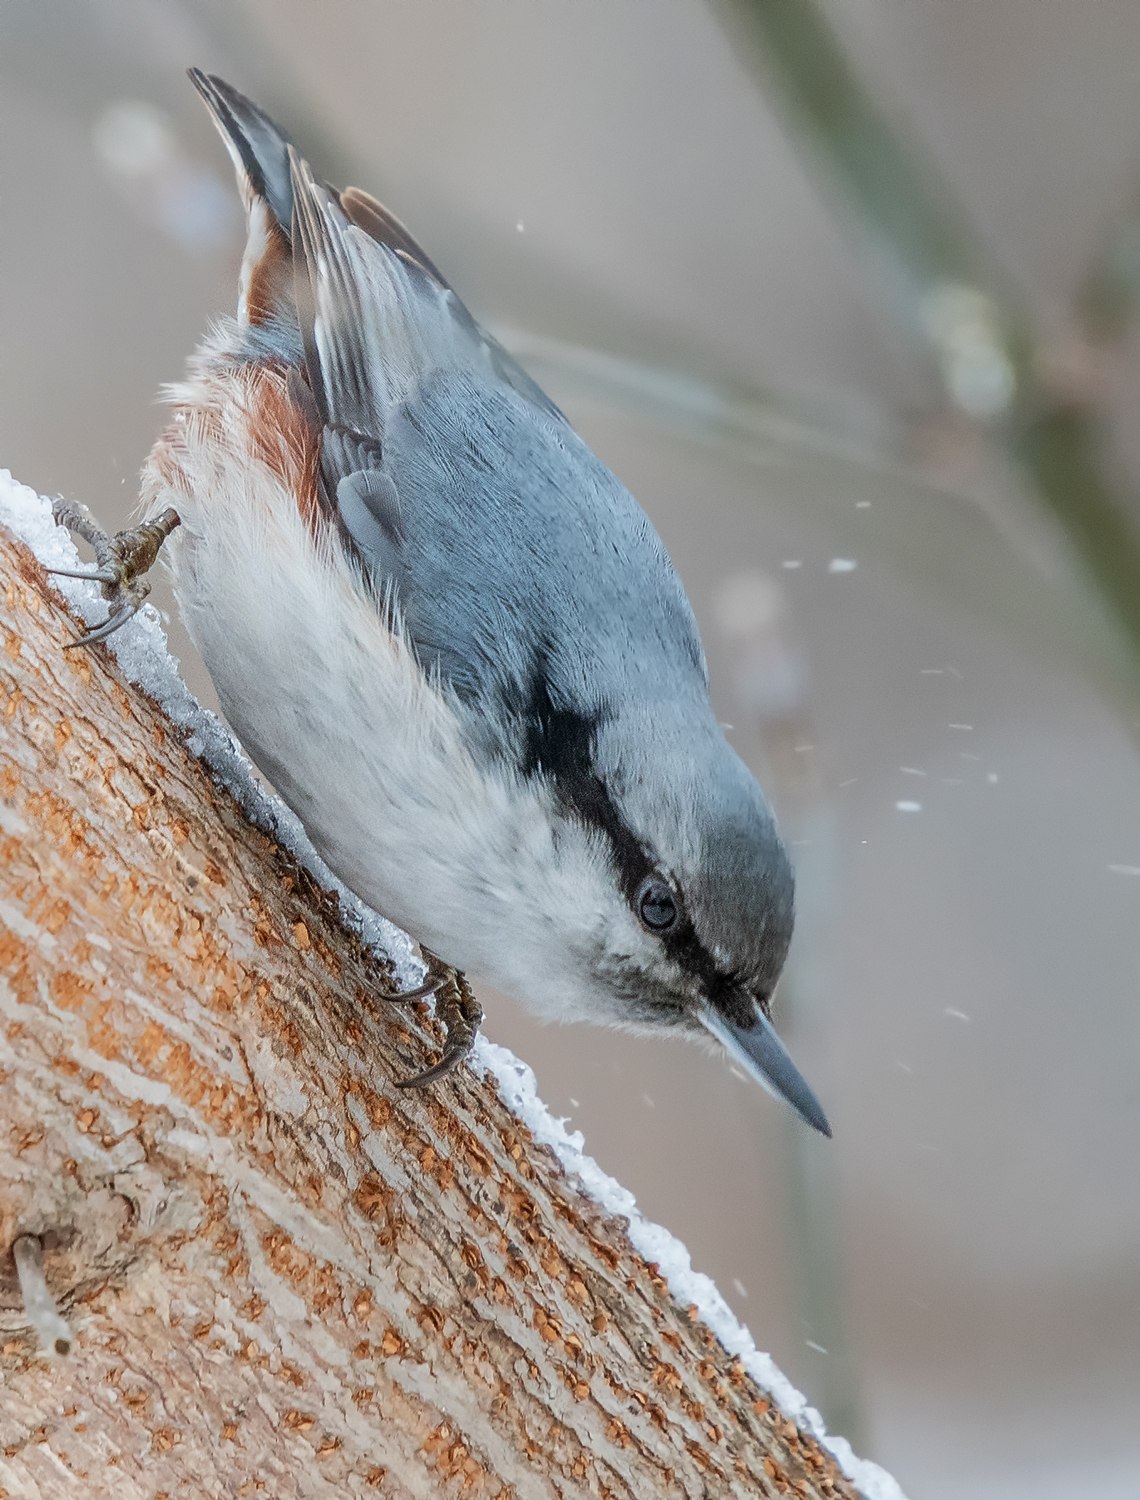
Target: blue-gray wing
(374,311)
(521,568)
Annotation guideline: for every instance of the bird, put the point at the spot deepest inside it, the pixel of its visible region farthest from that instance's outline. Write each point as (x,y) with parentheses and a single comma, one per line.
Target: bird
(452,639)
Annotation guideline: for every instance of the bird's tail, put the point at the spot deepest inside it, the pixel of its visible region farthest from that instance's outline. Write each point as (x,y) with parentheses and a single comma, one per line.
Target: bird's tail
(259,150)
(258,147)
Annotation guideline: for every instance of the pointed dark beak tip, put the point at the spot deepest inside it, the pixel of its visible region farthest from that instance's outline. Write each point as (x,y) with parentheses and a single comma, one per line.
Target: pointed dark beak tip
(821,1123)
(809,1109)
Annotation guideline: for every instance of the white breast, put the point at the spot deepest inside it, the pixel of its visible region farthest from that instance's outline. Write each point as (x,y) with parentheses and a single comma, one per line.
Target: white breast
(334,709)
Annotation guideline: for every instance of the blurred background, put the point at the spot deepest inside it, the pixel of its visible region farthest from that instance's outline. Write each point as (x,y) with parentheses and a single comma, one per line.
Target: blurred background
(844,292)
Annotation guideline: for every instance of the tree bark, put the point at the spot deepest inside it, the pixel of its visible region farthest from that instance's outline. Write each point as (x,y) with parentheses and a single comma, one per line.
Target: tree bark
(282,1276)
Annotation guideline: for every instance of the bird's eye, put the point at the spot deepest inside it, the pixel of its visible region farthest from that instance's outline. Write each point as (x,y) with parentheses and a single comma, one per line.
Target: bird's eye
(656,905)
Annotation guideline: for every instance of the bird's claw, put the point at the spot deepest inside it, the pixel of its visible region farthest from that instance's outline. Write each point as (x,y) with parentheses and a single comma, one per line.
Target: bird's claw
(121,563)
(459,1011)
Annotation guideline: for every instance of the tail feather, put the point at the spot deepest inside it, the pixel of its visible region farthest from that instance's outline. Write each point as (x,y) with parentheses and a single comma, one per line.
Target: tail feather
(385,309)
(258,147)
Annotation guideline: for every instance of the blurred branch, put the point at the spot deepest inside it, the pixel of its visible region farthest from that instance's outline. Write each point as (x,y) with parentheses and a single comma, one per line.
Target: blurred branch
(825,460)
(734,415)
(897,199)
(771,707)
(983,343)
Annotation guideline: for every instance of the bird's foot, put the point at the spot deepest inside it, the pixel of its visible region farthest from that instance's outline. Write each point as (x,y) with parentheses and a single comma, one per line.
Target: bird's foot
(121,563)
(456,1007)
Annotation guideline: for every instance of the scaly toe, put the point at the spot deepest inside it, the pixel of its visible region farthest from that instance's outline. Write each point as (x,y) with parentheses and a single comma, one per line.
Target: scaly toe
(121,562)
(461,1014)
(113,622)
(450,1060)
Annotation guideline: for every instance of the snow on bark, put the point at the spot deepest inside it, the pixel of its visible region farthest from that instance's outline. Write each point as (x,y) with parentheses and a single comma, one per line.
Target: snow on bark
(277,1270)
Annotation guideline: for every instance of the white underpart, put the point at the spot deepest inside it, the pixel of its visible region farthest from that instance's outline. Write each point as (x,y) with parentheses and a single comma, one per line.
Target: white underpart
(141,650)
(365,749)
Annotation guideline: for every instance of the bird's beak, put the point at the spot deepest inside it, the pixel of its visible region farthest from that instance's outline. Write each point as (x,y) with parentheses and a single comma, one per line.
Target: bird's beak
(764,1055)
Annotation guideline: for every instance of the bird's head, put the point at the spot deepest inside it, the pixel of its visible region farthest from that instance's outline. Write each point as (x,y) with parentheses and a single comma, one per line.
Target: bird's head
(677,892)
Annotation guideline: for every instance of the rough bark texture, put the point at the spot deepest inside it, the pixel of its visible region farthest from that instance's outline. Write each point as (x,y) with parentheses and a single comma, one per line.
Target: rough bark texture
(284,1277)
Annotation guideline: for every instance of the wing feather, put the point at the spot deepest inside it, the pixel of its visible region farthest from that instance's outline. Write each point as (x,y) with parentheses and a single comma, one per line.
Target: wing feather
(480,515)
(506,545)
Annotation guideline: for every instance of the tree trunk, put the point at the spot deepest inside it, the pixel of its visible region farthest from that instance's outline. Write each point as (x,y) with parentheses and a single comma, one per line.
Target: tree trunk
(281,1276)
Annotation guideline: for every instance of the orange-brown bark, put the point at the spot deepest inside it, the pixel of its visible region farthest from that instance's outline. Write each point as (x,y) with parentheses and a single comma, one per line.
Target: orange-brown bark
(282,1276)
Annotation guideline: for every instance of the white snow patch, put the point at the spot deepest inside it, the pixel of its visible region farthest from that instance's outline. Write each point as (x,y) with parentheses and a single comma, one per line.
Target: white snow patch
(141,650)
(517,1085)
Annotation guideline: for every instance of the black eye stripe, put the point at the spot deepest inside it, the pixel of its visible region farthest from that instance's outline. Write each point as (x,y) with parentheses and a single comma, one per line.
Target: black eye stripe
(593,806)
(558,744)
(583,795)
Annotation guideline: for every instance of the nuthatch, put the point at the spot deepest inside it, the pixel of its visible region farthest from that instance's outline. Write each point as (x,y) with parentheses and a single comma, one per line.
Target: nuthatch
(453,641)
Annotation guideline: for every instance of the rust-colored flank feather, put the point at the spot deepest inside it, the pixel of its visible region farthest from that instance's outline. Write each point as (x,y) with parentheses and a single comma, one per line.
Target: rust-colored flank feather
(285,435)
(268,279)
